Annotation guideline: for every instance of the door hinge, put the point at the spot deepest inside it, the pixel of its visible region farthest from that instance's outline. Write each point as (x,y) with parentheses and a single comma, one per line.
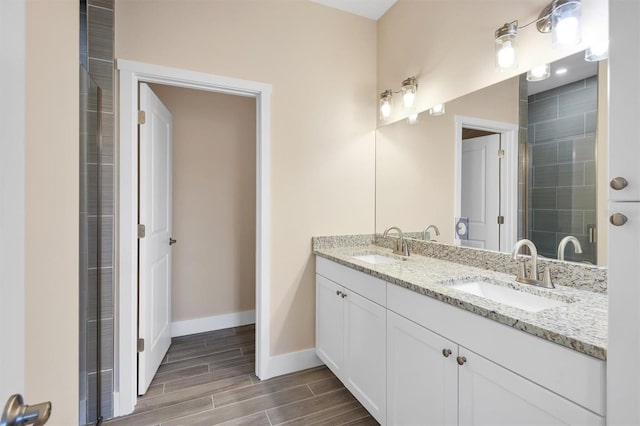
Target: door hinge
(142,117)
(141,231)
(500,220)
(501,153)
(140,345)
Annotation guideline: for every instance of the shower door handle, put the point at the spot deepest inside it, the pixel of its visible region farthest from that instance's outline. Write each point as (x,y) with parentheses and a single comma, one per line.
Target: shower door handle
(16,412)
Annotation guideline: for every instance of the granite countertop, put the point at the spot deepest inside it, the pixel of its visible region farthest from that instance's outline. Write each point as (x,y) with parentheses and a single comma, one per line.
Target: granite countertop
(581,324)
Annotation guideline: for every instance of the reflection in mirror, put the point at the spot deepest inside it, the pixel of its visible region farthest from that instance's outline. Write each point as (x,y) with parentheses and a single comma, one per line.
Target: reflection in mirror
(515,160)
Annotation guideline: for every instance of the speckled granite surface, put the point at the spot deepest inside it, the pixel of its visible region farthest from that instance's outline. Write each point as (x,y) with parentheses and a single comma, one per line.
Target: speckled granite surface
(336,241)
(581,324)
(582,276)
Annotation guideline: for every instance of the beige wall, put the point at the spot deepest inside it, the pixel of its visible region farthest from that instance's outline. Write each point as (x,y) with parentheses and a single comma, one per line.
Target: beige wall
(448,45)
(214,163)
(51,202)
(415,163)
(321,63)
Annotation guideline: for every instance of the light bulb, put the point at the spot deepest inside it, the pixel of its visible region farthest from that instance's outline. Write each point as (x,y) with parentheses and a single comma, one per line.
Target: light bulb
(506,56)
(561,71)
(413,118)
(541,72)
(566,24)
(385,109)
(597,52)
(408,98)
(436,110)
(567,31)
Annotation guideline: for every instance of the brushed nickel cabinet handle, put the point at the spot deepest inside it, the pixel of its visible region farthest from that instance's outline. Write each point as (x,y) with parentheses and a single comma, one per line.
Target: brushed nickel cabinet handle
(618,219)
(344,295)
(338,292)
(461,360)
(446,352)
(618,183)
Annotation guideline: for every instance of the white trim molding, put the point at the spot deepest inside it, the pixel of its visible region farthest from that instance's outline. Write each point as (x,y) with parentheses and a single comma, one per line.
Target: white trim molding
(509,181)
(293,361)
(217,322)
(131,73)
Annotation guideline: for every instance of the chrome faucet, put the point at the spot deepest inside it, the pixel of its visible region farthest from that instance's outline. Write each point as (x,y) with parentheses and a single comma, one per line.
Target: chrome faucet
(426,235)
(577,248)
(533,273)
(401,246)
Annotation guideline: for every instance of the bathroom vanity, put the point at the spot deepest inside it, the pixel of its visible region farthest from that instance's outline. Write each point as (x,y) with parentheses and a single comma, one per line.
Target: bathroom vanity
(421,340)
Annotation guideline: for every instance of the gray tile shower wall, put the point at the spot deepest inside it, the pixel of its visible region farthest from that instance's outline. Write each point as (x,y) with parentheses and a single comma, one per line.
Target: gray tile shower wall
(562,145)
(98,37)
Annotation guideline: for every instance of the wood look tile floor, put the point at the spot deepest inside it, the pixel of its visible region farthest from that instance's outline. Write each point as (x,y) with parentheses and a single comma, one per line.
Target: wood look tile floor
(208,379)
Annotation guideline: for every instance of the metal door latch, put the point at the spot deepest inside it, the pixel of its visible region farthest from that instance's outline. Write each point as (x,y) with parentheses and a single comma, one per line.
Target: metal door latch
(16,412)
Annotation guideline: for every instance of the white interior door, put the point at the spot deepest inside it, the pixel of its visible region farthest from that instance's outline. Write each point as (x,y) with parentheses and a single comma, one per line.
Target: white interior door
(155,251)
(481,191)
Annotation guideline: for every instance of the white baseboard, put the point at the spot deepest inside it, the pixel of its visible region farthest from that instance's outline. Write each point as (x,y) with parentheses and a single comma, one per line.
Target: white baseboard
(292,362)
(218,322)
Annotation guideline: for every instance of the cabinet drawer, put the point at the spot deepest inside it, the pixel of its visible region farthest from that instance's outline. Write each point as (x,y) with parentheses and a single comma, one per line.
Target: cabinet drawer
(574,375)
(365,285)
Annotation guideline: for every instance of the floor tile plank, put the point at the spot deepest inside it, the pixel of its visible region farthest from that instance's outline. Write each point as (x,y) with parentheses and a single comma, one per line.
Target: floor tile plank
(308,406)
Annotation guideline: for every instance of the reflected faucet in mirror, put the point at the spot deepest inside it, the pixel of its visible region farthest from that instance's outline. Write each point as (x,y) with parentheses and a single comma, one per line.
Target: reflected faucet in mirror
(401,246)
(533,273)
(577,248)
(426,234)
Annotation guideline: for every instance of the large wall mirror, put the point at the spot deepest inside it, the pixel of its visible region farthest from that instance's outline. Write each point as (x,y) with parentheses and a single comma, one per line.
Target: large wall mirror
(518,159)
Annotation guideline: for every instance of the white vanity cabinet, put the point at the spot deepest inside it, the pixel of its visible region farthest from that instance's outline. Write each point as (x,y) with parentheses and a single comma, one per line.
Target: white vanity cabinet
(351,333)
(413,360)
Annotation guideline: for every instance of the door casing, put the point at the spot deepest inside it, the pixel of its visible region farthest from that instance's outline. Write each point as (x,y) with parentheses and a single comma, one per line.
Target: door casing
(509,180)
(131,73)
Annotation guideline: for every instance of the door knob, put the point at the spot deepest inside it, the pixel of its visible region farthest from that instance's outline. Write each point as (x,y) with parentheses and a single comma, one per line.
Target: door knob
(618,183)
(618,219)
(16,412)
(461,360)
(172,241)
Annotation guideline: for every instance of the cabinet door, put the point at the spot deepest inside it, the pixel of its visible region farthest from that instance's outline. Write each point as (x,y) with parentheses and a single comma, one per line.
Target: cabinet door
(330,324)
(365,353)
(623,352)
(492,395)
(422,380)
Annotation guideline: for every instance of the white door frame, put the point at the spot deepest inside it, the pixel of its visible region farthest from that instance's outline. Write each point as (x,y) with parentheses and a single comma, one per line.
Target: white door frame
(12,196)
(509,181)
(130,74)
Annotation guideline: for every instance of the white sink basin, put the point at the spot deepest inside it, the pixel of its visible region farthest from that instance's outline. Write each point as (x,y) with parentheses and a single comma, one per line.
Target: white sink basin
(376,259)
(507,296)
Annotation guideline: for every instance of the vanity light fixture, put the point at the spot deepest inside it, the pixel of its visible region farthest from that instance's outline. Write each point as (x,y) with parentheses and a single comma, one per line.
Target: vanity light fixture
(539,73)
(561,17)
(385,104)
(409,89)
(597,52)
(436,110)
(505,45)
(413,118)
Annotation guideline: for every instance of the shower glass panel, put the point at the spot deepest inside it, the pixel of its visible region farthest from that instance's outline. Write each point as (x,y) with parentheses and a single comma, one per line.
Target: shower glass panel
(562,168)
(90,212)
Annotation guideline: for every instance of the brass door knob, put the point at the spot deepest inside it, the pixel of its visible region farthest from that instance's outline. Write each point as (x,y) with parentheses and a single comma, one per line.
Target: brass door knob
(618,219)
(446,352)
(461,360)
(618,183)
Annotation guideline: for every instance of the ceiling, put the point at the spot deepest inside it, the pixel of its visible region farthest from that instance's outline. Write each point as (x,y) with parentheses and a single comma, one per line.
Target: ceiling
(372,9)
